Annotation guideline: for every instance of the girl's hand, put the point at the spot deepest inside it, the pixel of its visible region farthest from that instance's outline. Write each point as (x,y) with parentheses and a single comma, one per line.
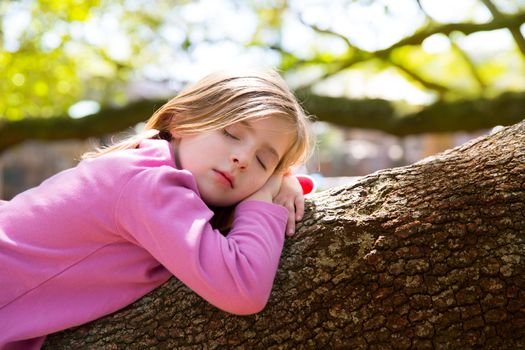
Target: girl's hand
(269,190)
(291,196)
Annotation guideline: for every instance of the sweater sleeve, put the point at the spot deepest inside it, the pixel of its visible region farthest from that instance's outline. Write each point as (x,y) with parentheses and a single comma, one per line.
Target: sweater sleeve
(169,220)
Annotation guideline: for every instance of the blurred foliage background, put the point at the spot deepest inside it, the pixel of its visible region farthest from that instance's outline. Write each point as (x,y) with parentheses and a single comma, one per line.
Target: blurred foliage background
(76,69)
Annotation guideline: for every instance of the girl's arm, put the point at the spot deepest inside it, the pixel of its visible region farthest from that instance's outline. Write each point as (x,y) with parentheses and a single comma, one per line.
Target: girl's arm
(290,195)
(160,212)
(287,191)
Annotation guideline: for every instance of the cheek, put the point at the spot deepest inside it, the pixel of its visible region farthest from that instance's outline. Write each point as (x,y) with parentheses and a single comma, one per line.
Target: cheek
(194,152)
(190,162)
(257,181)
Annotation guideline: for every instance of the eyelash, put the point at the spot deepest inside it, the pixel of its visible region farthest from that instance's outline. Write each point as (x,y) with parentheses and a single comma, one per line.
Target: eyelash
(261,162)
(225,132)
(229,135)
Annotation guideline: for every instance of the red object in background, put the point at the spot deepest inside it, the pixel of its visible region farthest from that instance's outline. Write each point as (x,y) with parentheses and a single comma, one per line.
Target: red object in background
(307,183)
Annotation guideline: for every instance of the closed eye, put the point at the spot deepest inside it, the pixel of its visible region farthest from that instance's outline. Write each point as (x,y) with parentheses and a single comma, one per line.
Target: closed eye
(227,134)
(261,163)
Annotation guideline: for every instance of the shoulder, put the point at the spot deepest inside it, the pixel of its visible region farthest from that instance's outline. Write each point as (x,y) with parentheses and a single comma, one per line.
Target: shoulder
(149,168)
(148,171)
(150,153)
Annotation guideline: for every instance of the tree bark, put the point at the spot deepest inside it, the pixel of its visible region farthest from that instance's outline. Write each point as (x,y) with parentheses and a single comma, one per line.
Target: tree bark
(426,256)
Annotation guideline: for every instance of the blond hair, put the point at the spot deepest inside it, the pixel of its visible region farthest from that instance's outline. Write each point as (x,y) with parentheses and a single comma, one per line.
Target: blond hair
(224,98)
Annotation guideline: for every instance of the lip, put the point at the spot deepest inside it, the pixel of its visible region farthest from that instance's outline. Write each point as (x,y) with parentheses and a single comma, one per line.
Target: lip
(227,176)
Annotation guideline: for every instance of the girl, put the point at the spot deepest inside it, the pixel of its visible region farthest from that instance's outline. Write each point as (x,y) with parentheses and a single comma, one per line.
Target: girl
(95,238)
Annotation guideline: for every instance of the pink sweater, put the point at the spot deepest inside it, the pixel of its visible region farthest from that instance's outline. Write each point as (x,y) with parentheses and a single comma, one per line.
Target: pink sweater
(95,238)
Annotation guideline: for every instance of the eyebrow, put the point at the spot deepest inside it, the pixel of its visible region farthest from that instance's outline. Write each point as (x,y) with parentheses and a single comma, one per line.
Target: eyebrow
(250,127)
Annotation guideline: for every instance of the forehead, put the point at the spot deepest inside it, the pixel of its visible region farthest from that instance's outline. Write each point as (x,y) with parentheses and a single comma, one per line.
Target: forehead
(275,132)
(275,124)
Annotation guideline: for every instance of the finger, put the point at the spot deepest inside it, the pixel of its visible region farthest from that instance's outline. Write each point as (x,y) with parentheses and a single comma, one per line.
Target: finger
(290,225)
(299,208)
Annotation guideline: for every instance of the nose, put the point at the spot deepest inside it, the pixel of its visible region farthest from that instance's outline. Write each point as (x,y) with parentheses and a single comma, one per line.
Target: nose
(240,160)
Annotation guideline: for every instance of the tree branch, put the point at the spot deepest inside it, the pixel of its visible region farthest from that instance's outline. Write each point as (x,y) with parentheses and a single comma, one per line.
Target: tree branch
(514,29)
(442,116)
(355,55)
(472,68)
(429,256)
(440,89)
(316,28)
(376,114)
(417,38)
(107,121)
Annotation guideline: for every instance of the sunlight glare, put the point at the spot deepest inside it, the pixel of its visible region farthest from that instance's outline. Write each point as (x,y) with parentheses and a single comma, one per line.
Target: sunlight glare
(83,108)
(436,43)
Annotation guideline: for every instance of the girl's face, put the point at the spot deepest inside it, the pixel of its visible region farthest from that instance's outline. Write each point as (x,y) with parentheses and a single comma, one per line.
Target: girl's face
(231,164)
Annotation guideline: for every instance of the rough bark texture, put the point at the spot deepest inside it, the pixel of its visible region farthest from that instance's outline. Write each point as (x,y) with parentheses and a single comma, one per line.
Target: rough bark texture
(426,256)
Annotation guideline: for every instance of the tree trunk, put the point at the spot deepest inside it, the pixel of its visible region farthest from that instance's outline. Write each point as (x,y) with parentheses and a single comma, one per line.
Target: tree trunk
(426,256)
